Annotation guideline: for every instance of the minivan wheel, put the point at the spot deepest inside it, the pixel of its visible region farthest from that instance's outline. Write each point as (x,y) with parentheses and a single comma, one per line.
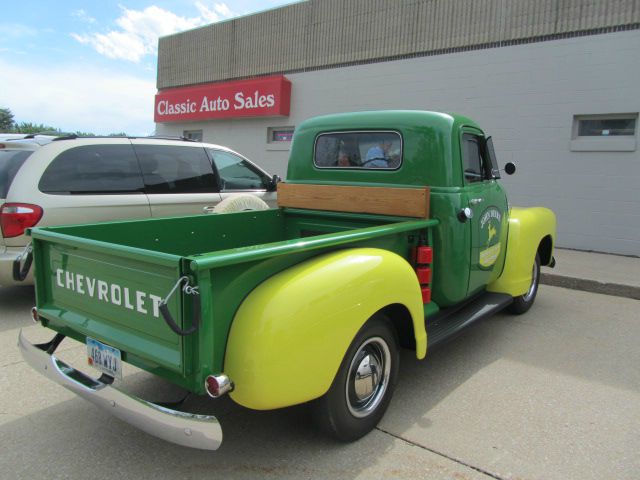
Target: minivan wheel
(364,384)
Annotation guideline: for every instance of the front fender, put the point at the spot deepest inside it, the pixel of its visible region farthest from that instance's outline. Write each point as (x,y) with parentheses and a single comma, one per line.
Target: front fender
(527,228)
(290,334)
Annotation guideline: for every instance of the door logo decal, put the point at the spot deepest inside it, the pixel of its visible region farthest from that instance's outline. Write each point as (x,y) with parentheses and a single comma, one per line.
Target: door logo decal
(490,223)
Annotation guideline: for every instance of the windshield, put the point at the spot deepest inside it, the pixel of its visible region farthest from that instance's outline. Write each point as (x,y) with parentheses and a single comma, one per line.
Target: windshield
(10,163)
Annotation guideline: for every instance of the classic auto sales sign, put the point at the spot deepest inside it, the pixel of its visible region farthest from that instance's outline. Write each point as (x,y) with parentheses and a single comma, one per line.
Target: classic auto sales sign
(270,96)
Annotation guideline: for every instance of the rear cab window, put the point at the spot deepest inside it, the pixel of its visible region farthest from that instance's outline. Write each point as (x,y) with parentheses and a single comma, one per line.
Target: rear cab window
(93,169)
(369,150)
(10,163)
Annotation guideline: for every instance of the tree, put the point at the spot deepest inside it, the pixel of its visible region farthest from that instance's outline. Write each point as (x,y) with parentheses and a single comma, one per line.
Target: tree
(6,120)
(9,125)
(30,127)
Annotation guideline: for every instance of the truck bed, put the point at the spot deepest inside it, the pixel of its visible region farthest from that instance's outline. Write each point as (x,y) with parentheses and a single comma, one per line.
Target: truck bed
(106,281)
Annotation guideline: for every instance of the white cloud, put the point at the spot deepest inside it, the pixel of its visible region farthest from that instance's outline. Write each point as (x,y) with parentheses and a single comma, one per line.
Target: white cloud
(138,30)
(83,16)
(219,12)
(75,97)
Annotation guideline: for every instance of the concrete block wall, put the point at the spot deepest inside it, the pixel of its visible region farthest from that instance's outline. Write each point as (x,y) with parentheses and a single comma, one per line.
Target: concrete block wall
(525,96)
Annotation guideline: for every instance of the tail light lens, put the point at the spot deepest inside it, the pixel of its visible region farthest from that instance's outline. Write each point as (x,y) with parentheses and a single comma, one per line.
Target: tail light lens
(218,385)
(423,256)
(15,218)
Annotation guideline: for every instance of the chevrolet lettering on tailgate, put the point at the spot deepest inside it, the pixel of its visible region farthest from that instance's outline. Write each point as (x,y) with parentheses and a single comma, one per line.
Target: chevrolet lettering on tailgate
(112,293)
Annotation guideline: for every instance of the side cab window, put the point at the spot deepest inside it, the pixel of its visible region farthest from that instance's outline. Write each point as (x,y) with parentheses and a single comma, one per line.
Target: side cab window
(478,158)
(473,162)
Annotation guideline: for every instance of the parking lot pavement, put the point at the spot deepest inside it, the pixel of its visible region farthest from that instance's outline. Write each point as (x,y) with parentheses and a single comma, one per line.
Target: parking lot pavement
(553,394)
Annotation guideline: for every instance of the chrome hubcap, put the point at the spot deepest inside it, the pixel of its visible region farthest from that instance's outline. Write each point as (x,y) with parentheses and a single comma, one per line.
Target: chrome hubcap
(368,377)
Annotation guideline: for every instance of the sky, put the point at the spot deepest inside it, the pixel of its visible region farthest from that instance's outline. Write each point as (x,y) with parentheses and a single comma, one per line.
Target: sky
(90,66)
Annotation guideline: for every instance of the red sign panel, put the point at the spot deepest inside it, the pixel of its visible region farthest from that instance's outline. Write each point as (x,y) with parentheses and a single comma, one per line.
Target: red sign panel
(261,97)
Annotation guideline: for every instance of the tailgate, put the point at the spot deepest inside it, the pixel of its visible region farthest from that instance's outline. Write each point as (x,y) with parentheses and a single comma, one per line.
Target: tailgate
(111,293)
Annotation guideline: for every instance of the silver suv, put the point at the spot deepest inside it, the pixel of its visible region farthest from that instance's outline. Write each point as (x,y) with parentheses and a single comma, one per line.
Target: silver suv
(85,180)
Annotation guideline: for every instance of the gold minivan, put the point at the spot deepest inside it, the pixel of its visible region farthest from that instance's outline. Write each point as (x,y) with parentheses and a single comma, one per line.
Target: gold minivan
(72,180)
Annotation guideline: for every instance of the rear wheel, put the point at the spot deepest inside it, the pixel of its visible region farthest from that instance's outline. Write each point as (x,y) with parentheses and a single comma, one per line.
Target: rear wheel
(523,303)
(364,384)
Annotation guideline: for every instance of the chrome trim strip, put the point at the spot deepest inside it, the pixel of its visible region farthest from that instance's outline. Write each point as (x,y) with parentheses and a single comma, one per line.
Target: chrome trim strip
(186,429)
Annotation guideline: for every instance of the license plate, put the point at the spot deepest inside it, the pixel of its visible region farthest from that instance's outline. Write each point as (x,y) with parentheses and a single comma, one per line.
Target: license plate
(104,358)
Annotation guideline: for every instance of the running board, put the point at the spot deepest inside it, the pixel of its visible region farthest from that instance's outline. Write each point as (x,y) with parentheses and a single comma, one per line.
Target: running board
(446,324)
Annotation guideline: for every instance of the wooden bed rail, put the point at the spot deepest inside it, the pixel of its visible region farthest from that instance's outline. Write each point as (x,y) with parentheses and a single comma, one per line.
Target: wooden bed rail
(401,202)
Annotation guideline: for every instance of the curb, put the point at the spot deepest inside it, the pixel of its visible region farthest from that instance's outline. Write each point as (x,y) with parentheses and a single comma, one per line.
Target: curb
(614,289)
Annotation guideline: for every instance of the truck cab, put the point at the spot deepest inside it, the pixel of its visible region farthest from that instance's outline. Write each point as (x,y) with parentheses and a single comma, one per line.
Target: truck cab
(450,154)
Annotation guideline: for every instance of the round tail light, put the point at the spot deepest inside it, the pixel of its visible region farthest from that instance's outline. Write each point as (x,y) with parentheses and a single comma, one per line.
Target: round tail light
(218,385)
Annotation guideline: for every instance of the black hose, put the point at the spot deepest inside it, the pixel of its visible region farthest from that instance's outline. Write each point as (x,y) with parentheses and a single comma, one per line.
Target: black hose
(195,324)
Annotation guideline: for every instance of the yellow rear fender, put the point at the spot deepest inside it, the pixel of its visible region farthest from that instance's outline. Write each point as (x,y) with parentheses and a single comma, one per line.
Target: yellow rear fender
(291,333)
(531,231)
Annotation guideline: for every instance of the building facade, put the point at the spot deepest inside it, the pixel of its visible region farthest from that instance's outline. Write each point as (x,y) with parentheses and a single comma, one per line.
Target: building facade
(553,81)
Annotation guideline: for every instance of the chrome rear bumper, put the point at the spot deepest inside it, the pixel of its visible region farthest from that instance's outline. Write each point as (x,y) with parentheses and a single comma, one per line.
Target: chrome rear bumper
(186,429)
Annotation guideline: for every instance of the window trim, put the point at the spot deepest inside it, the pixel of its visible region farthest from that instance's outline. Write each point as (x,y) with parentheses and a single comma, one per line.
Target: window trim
(354,168)
(494,167)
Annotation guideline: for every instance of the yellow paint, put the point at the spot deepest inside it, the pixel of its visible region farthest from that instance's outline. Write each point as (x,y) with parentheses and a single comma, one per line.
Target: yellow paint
(291,333)
(489,256)
(527,228)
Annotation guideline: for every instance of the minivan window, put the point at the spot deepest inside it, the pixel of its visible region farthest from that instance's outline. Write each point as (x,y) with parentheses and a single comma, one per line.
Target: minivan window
(93,169)
(236,173)
(175,169)
(10,163)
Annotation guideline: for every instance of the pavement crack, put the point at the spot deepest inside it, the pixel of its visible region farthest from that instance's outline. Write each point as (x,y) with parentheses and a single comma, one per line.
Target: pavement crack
(444,455)
(12,364)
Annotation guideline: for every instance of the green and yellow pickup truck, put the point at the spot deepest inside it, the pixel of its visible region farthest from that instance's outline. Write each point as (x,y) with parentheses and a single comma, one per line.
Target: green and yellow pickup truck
(392,231)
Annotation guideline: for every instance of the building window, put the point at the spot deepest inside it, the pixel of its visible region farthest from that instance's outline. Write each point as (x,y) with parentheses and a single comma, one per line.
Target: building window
(606,126)
(279,138)
(607,132)
(280,134)
(195,135)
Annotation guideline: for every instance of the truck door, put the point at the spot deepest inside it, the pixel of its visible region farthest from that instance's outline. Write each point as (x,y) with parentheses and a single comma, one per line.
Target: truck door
(488,203)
